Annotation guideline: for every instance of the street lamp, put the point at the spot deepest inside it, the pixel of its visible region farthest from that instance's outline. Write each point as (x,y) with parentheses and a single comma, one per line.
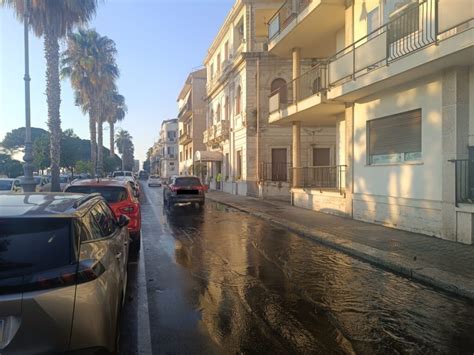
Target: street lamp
(28,183)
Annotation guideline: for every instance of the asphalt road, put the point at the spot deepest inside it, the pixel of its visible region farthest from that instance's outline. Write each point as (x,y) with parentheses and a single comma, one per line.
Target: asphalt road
(220,281)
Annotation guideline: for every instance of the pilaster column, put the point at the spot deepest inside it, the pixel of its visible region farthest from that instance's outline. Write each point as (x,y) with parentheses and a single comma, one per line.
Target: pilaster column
(296,54)
(296,153)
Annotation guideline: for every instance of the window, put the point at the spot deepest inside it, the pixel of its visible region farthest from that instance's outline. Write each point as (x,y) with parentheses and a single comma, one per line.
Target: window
(226,50)
(212,70)
(105,220)
(218,113)
(211,118)
(226,108)
(279,164)
(171,135)
(190,153)
(394,139)
(227,167)
(373,22)
(238,96)
(279,85)
(321,156)
(403,21)
(111,194)
(180,156)
(239,165)
(218,62)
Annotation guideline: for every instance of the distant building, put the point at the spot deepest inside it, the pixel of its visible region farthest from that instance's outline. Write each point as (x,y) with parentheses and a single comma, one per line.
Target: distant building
(192,120)
(136,165)
(168,145)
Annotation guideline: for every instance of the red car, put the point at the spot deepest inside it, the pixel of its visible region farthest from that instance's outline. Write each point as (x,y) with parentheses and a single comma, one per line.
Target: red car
(120,197)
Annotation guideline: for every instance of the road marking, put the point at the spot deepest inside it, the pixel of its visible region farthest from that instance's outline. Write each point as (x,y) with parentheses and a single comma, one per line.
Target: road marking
(143,324)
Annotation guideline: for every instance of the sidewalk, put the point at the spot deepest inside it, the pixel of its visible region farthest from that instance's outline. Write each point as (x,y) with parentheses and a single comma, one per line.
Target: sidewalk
(436,262)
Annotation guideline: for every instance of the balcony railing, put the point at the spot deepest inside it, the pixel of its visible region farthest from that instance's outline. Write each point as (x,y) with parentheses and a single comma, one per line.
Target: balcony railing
(410,29)
(187,107)
(313,82)
(320,177)
(185,137)
(464,180)
(277,172)
(283,17)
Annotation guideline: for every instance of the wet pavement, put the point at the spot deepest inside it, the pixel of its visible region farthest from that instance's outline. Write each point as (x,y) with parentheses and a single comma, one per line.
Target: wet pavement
(221,281)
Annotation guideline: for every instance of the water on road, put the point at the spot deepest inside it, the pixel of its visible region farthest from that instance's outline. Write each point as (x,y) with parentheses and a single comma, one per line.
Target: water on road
(220,281)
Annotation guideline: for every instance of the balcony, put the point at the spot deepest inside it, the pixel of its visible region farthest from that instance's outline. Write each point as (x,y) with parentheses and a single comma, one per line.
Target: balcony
(302,23)
(422,39)
(216,133)
(323,178)
(186,110)
(185,137)
(304,99)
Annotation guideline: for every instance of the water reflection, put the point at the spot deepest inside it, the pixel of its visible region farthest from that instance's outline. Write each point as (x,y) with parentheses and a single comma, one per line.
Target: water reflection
(262,289)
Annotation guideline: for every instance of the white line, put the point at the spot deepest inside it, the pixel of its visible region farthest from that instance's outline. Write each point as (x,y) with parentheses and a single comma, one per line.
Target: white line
(143,324)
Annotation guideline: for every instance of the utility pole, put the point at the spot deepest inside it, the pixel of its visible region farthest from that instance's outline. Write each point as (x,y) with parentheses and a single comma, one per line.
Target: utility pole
(28,182)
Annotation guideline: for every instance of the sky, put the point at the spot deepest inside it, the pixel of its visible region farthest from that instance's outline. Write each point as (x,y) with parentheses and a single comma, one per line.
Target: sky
(158,41)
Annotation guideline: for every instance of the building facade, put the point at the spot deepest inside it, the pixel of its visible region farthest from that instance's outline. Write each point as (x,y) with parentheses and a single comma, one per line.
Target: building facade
(394,79)
(250,156)
(192,121)
(168,146)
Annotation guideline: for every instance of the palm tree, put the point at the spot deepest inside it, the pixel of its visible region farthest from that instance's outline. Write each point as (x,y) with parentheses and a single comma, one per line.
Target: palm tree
(116,111)
(89,62)
(53,19)
(123,139)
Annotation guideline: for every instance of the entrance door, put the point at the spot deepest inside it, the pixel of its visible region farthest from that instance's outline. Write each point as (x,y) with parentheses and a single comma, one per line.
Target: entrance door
(322,175)
(321,156)
(279,164)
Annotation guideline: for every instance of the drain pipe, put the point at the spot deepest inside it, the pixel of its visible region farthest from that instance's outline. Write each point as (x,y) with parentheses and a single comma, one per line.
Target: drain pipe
(258,119)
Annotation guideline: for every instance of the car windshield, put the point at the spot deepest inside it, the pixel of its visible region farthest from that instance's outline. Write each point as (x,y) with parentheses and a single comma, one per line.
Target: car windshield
(119,173)
(110,193)
(33,245)
(63,179)
(128,173)
(154,177)
(187,181)
(5,185)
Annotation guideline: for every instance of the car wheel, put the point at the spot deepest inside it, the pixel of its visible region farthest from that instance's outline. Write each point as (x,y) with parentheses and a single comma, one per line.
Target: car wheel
(135,243)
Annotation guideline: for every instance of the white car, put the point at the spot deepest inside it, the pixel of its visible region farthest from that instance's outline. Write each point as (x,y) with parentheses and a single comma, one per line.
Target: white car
(154,180)
(10,185)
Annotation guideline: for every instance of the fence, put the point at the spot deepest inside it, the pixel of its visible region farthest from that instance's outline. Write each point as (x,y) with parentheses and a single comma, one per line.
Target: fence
(321,177)
(278,172)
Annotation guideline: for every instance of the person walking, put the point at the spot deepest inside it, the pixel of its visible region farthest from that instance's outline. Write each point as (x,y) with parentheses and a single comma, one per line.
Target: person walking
(218,180)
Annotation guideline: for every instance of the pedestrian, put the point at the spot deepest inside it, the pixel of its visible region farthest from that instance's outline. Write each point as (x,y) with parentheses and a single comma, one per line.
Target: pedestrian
(218,180)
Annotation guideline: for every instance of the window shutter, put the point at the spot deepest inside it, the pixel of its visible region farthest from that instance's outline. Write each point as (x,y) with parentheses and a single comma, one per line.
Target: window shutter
(399,133)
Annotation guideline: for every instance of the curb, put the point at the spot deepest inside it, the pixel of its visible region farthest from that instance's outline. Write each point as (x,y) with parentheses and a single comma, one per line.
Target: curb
(446,281)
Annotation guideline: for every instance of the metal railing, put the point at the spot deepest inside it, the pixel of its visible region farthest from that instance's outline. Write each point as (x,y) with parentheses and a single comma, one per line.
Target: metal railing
(284,15)
(409,29)
(185,108)
(320,177)
(277,172)
(312,82)
(464,180)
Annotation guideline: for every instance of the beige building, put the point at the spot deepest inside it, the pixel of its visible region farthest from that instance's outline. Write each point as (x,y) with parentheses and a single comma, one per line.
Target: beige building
(251,156)
(191,120)
(168,148)
(394,79)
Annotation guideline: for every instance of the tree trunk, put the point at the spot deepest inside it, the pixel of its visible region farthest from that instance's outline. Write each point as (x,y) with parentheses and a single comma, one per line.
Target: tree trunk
(100,144)
(112,143)
(53,98)
(93,132)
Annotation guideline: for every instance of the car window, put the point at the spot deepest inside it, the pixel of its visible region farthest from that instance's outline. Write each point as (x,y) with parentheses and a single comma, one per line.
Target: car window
(93,229)
(111,220)
(105,221)
(34,245)
(111,194)
(17,183)
(119,173)
(5,185)
(187,181)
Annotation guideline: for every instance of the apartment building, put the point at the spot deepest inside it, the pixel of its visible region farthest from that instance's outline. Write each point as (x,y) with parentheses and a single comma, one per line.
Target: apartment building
(191,120)
(168,146)
(251,156)
(395,80)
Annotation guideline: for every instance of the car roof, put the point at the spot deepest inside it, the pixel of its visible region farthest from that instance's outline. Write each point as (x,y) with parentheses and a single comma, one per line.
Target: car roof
(34,205)
(99,182)
(7,179)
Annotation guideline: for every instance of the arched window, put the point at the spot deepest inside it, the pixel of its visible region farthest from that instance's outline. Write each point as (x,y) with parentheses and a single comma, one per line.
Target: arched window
(238,99)
(279,85)
(226,108)
(218,113)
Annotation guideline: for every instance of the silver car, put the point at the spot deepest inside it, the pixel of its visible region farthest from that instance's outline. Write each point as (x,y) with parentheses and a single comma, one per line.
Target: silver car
(63,273)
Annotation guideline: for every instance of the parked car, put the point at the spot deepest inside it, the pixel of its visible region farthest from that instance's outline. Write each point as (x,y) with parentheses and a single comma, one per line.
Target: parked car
(154,180)
(63,273)
(64,180)
(184,189)
(133,183)
(143,175)
(120,197)
(122,173)
(10,185)
(40,180)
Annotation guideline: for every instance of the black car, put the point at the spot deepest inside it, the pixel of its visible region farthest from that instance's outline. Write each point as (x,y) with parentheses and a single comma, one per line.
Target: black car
(184,189)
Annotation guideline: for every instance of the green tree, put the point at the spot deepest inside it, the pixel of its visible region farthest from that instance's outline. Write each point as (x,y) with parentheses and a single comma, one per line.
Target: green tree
(124,143)
(15,139)
(53,19)
(42,159)
(89,63)
(10,167)
(115,109)
(83,167)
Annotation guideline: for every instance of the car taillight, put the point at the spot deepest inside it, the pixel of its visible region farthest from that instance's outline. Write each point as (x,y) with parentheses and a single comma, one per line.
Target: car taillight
(84,271)
(127,210)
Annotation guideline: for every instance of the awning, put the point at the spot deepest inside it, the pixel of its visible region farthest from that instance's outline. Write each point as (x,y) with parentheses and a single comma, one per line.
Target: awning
(206,156)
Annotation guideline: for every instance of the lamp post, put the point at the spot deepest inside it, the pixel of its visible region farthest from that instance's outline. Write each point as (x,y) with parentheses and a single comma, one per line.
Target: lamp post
(28,182)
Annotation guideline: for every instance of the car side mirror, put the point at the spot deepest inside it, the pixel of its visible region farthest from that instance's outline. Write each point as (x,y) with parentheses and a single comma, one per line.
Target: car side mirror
(123,221)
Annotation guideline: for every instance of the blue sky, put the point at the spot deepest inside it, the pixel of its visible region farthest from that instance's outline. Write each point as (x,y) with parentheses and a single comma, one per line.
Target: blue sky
(159,42)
